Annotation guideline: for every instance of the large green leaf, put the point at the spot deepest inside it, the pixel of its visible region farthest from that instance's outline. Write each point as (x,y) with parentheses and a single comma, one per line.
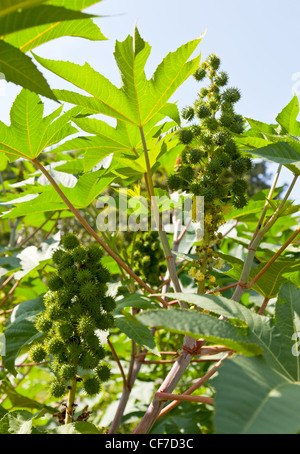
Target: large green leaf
(29,133)
(287,118)
(39,15)
(137,332)
(19,69)
(138,100)
(200,325)
(253,395)
(286,153)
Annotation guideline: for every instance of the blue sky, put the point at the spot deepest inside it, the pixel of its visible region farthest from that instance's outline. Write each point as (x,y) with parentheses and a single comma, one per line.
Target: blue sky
(257,42)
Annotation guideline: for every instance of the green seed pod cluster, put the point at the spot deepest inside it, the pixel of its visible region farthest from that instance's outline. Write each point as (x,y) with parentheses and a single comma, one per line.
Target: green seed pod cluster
(148,258)
(76,306)
(211,164)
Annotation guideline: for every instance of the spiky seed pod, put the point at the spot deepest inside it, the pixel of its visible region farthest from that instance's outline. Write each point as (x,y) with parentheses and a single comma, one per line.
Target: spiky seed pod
(206,138)
(66,262)
(196,188)
(91,386)
(88,361)
(185,136)
(103,275)
(54,312)
(223,159)
(214,168)
(175,182)
(67,371)
(239,186)
(239,201)
(186,173)
(208,194)
(203,111)
(221,79)
(105,321)
(64,330)
(92,342)
(196,130)
(103,373)
(88,291)
(220,137)
(230,147)
(227,119)
(85,326)
(79,255)
(64,297)
(42,323)
(214,61)
(203,92)
(231,95)
(199,74)
(247,163)
(74,351)
(211,124)
(37,353)
(83,275)
(68,275)
(100,353)
(57,255)
(238,167)
(55,283)
(57,389)
(94,253)
(237,128)
(53,345)
(187,113)
(213,104)
(194,156)
(108,303)
(49,298)
(70,241)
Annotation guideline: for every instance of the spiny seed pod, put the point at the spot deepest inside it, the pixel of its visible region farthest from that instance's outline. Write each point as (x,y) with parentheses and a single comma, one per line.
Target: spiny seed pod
(239,186)
(200,74)
(238,167)
(64,330)
(86,325)
(68,275)
(221,79)
(79,255)
(196,130)
(211,123)
(208,194)
(84,275)
(219,138)
(108,303)
(185,136)
(214,61)
(91,386)
(92,341)
(94,253)
(55,282)
(103,275)
(88,361)
(67,371)
(231,95)
(174,182)
(196,188)
(214,168)
(194,156)
(89,291)
(203,92)
(66,261)
(37,353)
(230,147)
(57,255)
(247,164)
(105,321)
(53,345)
(42,323)
(70,241)
(186,173)
(187,113)
(203,111)
(239,201)
(103,373)
(57,389)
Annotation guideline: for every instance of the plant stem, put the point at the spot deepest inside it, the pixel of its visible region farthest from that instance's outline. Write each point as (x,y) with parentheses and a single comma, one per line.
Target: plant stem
(182,397)
(71,399)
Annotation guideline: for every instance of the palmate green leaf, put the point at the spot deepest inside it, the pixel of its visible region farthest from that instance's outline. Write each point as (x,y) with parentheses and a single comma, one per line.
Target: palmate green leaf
(138,100)
(39,15)
(19,69)
(87,188)
(30,38)
(200,325)
(287,118)
(29,133)
(260,330)
(21,331)
(286,153)
(253,396)
(137,332)
(11,6)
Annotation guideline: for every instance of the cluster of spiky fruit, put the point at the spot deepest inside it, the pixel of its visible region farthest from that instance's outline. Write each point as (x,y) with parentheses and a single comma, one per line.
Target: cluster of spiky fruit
(211,151)
(211,165)
(76,306)
(148,257)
